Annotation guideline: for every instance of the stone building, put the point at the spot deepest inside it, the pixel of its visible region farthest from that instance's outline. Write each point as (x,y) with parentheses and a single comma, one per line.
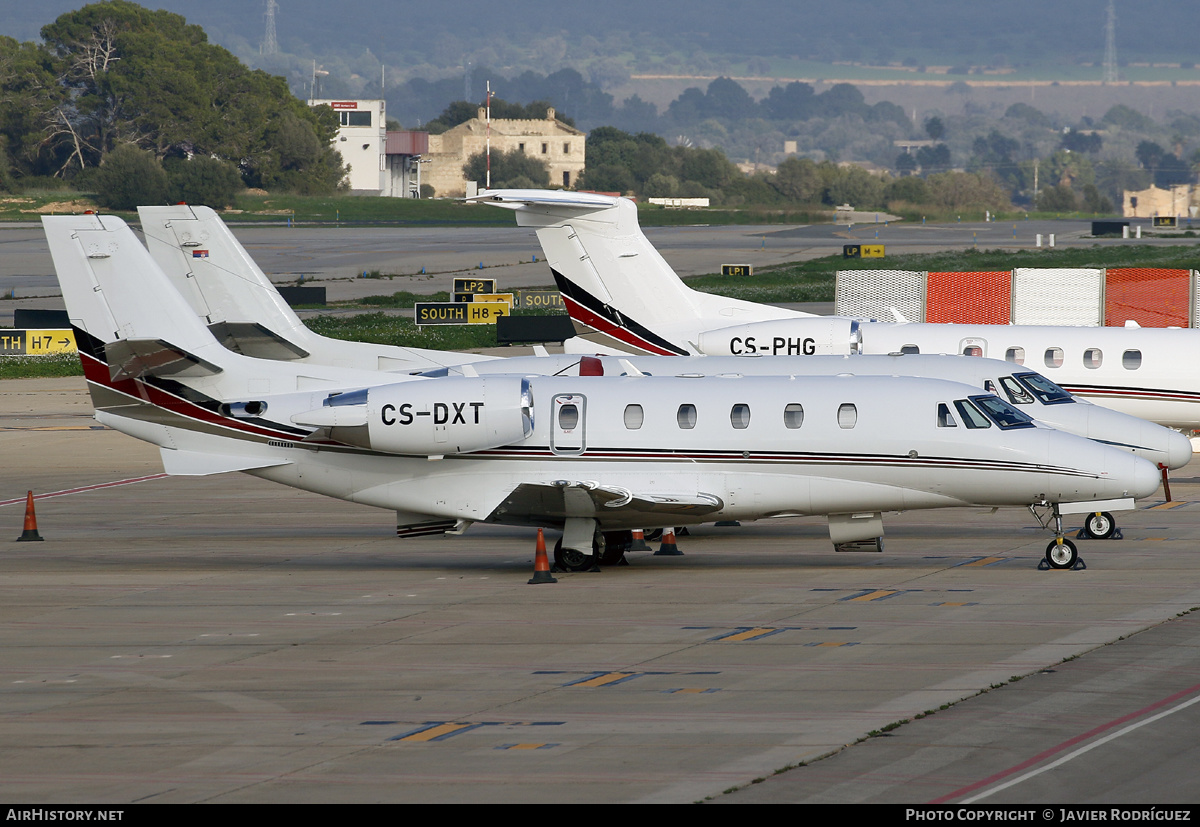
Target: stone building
(1180,200)
(559,145)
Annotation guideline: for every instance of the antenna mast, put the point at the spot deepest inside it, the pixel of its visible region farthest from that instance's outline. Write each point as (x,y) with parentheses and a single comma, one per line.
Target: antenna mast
(1110,44)
(270,45)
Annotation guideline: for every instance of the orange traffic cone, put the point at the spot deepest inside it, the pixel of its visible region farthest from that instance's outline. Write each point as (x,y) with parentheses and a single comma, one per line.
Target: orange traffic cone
(541,565)
(639,541)
(30,532)
(668,547)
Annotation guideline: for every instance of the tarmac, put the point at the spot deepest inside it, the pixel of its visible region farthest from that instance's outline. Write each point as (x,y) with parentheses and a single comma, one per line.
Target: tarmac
(223,639)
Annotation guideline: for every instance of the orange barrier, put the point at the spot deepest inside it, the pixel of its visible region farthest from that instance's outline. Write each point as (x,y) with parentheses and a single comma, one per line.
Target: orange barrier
(983,297)
(1150,296)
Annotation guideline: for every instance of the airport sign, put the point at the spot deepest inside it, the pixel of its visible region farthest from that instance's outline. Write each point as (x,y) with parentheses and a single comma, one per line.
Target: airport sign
(36,342)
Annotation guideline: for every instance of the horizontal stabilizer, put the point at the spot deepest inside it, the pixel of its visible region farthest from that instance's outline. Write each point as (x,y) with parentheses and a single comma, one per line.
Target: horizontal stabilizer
(197,464)
(255,340)
(515,199)
(135,358)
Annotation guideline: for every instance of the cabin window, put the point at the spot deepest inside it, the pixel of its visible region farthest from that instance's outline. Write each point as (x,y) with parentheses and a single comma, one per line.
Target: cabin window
(1054,357)
(1016,392)
(1016,355)
(1131,359)
(945,418)
(568,417)
(793,416)
(739,416)
(972,350)
(686,417)
(847,416)
(910,349)
(1093,357)
(972,417)
(634,417)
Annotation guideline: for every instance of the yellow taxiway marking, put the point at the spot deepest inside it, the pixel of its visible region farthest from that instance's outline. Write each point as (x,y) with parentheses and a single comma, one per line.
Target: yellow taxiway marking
(435,732)
(602,680)
(749,634)
(873,595)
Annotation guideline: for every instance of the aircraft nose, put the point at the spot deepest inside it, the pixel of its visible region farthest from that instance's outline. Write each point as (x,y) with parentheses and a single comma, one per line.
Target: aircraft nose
(1179,450)
(1144,480)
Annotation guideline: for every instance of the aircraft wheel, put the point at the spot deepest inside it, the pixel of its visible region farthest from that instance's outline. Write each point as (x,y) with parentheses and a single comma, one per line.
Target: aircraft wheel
(569,559)
(616,543)
(1101,526)
(1061,555)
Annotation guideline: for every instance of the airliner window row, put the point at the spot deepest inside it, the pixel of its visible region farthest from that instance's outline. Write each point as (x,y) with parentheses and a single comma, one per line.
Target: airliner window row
(1054,357)
(976,412)
(739,416)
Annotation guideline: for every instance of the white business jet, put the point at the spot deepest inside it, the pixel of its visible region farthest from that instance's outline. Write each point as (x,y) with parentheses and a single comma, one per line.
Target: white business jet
(624,298)
(225,283)
(586,454)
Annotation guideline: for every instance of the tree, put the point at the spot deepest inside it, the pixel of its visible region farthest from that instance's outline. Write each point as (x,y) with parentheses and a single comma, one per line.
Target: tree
(134,76)
(1059,198)
(510,170)
(935,129)
(857,187)
(798,179)
(934,158)
(130,178)
(201,180)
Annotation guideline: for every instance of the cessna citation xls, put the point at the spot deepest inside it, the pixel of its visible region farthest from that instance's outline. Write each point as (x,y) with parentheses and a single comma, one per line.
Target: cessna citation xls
(624,298)
(583,453)
(230,293)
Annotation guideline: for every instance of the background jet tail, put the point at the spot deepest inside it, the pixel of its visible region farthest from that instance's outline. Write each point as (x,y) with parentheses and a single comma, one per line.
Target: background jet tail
(621,293)
(212,270)
(227,289)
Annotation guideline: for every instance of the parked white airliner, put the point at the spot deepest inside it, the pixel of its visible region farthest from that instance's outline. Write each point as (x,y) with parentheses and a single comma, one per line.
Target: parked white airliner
(584,453)
(624,298)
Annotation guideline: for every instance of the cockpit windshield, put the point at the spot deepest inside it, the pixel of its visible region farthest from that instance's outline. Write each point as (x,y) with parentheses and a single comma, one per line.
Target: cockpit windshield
(1002,413)
(1046,391)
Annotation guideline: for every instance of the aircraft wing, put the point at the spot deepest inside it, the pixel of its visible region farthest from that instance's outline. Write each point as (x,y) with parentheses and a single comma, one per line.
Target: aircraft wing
(560,499)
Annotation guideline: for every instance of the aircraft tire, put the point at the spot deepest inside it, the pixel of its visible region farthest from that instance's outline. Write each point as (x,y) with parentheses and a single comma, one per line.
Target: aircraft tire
(1101,526)
(572,560)
(1062,556)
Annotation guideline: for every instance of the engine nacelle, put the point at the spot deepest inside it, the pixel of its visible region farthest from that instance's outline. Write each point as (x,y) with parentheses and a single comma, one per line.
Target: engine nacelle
(802,336)
(433,417)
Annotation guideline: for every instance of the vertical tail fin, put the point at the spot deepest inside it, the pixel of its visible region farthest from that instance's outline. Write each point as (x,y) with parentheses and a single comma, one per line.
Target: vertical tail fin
(114,290)
(621,293)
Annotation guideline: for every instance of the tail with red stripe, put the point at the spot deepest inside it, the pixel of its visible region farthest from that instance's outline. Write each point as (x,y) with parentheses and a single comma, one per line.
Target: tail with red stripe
(621,293)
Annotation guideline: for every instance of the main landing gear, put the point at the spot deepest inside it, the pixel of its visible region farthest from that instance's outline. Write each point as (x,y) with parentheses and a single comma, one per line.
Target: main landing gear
(608,549)
(1100,525)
